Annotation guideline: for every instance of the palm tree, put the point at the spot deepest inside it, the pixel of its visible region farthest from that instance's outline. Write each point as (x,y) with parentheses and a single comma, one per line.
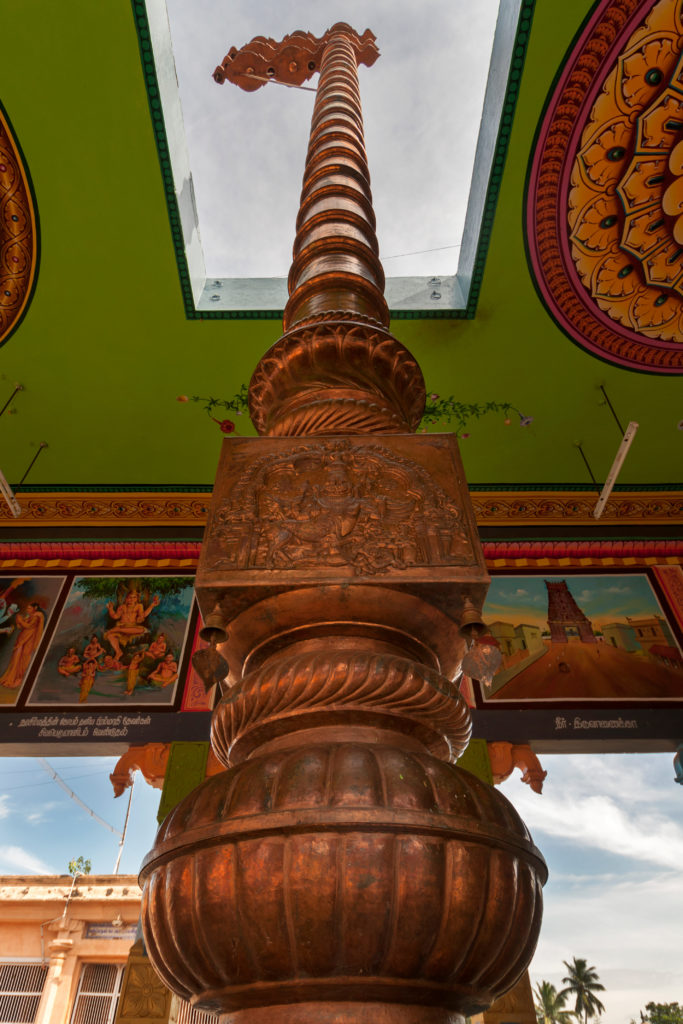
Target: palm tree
(582,982)
(549,1005)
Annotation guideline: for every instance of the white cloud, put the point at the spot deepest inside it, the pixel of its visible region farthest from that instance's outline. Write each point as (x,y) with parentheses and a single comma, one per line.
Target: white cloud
(17,860)
(5,809)
(626,930)
(40,814)
(508,595)
(624,917)
(598,821)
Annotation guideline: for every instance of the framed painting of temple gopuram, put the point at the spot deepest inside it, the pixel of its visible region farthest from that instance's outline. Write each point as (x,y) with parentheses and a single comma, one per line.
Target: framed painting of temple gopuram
(583,638)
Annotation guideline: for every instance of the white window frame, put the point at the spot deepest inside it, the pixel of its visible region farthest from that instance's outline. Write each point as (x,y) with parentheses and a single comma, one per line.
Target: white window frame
(113,996)
(26,993)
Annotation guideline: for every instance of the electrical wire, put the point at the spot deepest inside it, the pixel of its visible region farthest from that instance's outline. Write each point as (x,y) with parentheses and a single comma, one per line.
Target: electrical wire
(31,785)
(60,782)
(419,252)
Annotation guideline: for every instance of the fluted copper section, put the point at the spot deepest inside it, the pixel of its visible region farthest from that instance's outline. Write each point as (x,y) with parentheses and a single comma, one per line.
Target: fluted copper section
(333,375)
(336,263)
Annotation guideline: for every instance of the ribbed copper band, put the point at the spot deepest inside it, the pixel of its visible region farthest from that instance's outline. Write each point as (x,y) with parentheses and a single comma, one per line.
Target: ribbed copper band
(336,266)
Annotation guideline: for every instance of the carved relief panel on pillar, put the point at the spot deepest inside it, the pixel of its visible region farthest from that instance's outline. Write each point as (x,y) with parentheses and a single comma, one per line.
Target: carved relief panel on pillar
(342,509)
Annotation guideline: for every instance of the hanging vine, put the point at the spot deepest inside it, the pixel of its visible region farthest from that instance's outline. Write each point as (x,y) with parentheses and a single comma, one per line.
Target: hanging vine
(437,410)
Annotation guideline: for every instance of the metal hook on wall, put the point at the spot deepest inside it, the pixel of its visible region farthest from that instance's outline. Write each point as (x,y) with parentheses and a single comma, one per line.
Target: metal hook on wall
(10,495)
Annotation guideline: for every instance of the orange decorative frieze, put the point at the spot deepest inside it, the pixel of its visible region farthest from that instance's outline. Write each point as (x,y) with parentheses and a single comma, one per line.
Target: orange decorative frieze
(18,233)
(605,201)
(189,509)
(111,509)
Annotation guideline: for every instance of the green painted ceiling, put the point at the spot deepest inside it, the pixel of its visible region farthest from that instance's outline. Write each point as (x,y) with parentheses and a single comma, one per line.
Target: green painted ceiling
(105,347)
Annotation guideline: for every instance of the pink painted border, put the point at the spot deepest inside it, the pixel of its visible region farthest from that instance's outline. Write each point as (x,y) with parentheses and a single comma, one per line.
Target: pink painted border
(670,579)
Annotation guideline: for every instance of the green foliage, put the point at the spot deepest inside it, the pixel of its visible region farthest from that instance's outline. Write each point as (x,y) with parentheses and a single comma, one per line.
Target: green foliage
(79,866)
(107,587)
(437,409)
(582,984)
(447,410)
(239,403)
(549,1005)
(662,1013)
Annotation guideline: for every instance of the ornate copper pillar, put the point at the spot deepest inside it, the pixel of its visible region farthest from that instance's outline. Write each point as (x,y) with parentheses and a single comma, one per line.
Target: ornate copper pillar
(342,869)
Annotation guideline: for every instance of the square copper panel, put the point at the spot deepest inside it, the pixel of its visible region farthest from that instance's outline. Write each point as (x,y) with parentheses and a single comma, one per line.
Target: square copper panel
(296,511)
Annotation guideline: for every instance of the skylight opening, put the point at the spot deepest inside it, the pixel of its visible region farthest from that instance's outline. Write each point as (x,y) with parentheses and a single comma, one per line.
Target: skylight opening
(238,158)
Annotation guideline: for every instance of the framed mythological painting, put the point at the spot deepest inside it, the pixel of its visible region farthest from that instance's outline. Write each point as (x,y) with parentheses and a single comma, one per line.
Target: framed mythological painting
(582,638)
(119,641)
(27,605)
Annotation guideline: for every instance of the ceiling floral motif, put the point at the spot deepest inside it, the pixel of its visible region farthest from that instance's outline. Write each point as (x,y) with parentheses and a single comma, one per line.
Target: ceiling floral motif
(18,233)
(605,198)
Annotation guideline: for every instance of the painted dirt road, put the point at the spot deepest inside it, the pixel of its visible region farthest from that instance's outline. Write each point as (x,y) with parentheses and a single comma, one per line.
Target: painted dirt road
(592,671)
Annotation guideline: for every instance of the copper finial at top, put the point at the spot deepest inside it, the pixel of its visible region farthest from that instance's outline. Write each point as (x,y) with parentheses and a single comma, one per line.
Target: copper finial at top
(292,61)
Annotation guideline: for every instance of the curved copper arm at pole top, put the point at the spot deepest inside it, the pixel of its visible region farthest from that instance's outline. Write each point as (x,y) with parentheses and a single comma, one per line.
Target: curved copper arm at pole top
(292,61)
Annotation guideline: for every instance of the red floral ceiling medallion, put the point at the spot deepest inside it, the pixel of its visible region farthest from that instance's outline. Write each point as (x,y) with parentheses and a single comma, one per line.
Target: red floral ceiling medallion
(604,215)
(18,233)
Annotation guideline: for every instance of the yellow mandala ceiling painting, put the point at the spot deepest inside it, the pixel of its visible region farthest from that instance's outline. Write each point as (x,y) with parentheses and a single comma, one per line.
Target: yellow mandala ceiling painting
(626,199)
(605,202)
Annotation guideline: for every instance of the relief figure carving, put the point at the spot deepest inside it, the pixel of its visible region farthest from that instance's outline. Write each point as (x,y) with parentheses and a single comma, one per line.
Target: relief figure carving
(330,504)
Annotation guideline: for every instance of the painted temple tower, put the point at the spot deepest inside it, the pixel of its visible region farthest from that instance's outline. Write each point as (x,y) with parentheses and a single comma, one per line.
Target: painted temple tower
(565,618)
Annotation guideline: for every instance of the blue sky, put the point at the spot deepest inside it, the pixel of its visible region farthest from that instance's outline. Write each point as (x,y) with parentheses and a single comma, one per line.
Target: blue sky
(610,828)
(42,828)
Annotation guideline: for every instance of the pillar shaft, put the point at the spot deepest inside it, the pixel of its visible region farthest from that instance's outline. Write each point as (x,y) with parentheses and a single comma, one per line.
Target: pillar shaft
(342,870)
(336,264)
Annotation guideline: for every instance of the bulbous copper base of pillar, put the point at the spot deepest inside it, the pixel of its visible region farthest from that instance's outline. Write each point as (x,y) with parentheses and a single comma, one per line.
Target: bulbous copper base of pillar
(344,1013)
(344,865)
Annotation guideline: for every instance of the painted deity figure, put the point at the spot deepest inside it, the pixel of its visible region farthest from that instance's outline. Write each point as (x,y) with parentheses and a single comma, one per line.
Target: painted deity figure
(7,610)
(6,613)
(93,650)
(165,673)
(133,672)
(158,647)
(69,664)
(87,680)
(130,616)
(30,624)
